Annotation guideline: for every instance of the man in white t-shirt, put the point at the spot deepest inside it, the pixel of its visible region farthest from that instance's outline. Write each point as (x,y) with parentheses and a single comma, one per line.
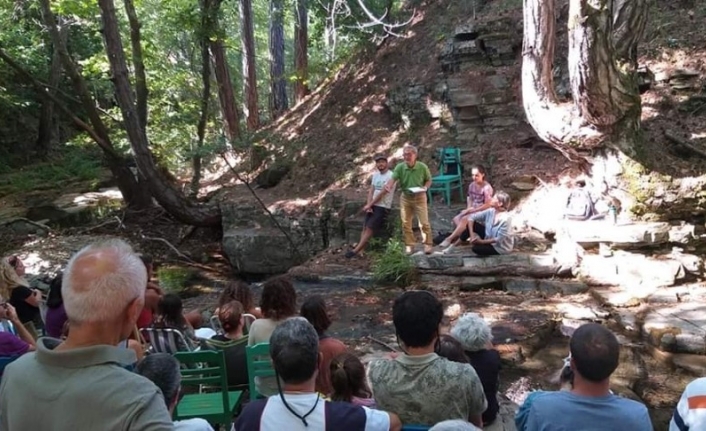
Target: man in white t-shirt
(294,348)
(377,208)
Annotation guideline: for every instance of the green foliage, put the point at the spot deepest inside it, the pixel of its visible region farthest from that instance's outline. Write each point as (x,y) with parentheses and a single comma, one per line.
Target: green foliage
(393,265)
(76,164)
(175,278)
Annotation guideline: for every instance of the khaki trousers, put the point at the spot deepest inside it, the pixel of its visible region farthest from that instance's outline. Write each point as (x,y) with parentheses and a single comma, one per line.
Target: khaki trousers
(411,206)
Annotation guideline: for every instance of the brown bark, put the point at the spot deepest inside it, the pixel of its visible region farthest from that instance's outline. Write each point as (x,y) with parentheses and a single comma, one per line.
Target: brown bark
(205,98)
(606,102)
(135,196)
(301,41)
(629,22)
(278,81)
(141,90)
(169,197)
(46,128)
(250,108)
(226,93)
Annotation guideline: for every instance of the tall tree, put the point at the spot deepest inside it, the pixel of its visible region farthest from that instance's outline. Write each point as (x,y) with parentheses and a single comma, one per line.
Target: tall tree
(206,22)
(226,93)
(250,108)
(278,81)
(135,195)
(166,194)
(46,129)
(603,38)
(301,41)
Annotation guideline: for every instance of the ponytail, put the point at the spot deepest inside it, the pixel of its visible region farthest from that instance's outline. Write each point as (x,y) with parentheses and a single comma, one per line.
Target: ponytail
(342,388)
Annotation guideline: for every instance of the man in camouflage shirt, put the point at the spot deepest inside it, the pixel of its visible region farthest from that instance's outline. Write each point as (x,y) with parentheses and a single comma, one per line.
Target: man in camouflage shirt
(420,386)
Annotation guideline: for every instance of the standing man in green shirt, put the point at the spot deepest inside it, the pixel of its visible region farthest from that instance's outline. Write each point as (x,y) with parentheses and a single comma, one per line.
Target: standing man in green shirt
(414,179)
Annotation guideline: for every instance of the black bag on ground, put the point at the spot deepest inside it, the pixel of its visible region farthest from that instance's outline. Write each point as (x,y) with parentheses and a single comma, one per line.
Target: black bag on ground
(440,237)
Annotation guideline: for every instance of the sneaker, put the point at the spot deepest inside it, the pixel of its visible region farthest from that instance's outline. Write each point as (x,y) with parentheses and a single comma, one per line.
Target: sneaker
(448,249)
(428,249)
(350,254)
(445,243)
(408,249)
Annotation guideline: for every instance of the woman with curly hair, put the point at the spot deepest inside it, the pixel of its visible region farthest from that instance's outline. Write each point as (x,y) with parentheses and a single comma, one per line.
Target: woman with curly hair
(278,302)
(239,290)
(474,334)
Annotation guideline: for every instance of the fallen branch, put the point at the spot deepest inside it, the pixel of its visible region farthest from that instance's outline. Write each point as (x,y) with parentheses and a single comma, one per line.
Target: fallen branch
(382,343)
(115,219)
(176,250)
(28,221)
(689,146)
(505,270)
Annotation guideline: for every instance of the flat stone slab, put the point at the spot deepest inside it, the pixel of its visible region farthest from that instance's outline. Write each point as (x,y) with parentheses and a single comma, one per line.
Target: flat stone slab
(631,270)
(602,231)
(542,265)
(679,328)
(507,284)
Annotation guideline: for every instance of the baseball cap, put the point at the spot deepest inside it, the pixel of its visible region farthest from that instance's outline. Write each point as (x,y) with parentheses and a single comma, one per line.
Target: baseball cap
(379,156)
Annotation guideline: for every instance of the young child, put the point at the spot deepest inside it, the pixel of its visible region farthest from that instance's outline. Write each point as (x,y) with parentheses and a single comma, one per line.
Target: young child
(348,381)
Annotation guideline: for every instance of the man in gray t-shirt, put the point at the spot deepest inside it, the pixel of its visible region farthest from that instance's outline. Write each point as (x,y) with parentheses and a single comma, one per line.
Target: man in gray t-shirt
(377,207)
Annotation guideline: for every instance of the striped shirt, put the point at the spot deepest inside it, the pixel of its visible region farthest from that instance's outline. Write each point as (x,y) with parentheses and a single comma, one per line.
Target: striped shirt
(690,413)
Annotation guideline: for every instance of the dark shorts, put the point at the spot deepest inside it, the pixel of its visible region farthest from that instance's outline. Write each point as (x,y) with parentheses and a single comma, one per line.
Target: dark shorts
(377,219)
(478,229)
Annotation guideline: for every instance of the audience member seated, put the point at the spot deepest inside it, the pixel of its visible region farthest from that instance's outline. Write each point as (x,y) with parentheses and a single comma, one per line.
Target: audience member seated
(349,382)
(690,413)
(454,425)
(420,386)
(80,383)
(474,335)
(170,314)
(12,346)
(55,320)
(314,310)
(232,342)
(278,302)
(595,353)
(15,290)
(496,238)
(163,370)
(153,293)
(294,348)
(239,290)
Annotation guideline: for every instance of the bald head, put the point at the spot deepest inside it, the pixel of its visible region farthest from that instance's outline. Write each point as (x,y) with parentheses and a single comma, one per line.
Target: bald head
(101,280)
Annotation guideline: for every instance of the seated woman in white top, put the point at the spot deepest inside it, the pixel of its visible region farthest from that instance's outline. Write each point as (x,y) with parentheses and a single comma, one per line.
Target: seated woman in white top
(497,238)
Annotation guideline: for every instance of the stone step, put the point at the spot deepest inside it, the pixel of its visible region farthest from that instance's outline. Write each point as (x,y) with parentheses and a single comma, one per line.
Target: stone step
(637,272)
(507,284)
(593,232)
(463,263)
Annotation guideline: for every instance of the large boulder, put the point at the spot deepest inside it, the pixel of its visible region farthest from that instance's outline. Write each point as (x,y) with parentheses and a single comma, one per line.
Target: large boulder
(254,243)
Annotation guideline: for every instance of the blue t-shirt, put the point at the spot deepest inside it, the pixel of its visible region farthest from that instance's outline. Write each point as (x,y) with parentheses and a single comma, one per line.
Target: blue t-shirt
(565,411)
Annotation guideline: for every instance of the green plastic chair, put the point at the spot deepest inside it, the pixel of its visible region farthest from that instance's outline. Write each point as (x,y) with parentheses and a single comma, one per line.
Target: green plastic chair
(259,365)
(215,407)
(450,175)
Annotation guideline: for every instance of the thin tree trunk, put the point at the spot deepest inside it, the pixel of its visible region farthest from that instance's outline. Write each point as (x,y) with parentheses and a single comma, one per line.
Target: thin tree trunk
(170,198)
(46,117)
(278,81)
(301,41)
(629,22)
(141,91)
(205,98)
(135,196)
(250,108)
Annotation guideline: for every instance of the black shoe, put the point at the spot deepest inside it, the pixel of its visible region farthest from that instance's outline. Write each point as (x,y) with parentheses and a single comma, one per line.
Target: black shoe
(350,254)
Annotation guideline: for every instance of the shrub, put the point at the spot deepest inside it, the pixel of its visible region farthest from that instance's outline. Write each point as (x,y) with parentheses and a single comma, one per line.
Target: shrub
(392,265)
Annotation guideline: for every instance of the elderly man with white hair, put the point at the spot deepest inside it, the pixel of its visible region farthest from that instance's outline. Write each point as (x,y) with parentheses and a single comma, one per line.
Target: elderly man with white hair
(454,425)
(81,383)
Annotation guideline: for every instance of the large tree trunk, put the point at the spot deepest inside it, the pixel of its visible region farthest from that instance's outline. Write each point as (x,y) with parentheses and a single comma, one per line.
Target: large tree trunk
(169,197)
(606,103)
(226,94)
(135,195)
(301,41)
(278,81)
(250,108)
(141,91)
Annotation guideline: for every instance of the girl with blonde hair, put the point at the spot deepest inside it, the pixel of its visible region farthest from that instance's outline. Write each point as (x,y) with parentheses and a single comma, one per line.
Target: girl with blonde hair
(15,290)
